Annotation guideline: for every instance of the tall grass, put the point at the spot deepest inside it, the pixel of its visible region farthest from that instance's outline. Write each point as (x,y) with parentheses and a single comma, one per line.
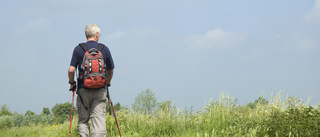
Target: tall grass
(224,117)
(41,130)
(221,117)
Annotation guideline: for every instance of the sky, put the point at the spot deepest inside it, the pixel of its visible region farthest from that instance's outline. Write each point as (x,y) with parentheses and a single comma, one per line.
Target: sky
(185,51)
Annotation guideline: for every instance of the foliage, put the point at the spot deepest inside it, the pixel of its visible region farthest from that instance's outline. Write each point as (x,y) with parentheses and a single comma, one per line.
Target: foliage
(145,102)
(260,101)
(46,111)
(294,119)
(18,120)
(28,120)
(29,113)
(44,130)
(221,117)
(6,122)
(165,106)
(61,130)
(62,112)
(5,111)
(25,131)
(116,107)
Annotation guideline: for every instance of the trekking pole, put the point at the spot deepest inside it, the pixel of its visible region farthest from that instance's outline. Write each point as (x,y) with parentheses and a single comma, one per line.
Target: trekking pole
(114,114)
(71,112)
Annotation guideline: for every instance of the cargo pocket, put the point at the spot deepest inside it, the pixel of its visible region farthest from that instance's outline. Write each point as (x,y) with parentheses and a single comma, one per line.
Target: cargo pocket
(104,107)
(103,101)
(82,112)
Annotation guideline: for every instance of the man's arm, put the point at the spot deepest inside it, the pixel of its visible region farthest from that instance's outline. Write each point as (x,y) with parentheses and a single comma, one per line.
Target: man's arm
(109,76)
(71,76)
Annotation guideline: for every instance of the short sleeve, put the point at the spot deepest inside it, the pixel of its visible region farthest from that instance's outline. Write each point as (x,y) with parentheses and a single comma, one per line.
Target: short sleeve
(108,59)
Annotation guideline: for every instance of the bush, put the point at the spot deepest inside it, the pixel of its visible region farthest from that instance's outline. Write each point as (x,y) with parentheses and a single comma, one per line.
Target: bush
(6,122)
(4,111)
(62,112)
(294,119)
(27,120)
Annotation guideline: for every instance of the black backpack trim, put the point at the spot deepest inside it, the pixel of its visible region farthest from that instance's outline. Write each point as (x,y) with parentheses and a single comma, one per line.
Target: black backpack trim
(86,48)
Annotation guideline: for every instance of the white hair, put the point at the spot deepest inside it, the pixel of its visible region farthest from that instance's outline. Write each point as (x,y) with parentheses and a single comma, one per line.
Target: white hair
(91,30)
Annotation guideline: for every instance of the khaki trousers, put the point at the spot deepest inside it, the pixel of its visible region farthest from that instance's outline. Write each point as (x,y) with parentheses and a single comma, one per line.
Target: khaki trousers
(95,101)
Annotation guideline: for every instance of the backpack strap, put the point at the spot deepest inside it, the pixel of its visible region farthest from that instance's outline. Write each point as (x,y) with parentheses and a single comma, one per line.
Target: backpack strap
(100,47)
(84,46)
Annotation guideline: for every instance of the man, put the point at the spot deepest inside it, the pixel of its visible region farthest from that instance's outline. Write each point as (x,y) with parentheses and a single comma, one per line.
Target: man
(91,103)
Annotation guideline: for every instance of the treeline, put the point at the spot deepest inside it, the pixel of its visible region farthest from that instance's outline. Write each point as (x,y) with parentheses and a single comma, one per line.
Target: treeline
(8,119)
(58,114)
(145,103)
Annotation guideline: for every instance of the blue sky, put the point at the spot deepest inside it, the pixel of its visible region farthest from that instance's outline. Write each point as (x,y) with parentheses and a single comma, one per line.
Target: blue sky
(186,51)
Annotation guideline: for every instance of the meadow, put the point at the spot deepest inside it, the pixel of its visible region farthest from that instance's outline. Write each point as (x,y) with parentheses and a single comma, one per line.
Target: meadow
(219,118)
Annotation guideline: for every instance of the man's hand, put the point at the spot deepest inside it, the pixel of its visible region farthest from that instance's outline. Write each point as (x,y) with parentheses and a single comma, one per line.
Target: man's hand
(73,87)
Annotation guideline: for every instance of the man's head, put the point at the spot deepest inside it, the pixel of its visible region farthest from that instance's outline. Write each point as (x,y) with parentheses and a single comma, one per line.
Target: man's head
(92,31)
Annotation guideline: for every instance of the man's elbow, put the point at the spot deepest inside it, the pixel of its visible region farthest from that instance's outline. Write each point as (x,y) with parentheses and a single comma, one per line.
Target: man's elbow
(111,71)
(71,69)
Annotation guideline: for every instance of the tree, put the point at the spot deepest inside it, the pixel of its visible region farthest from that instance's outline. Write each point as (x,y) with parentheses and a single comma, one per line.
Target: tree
(165,106)
(251,105)
(261,100)
(145,102)
(46,111)
(62,112)
(29,113)
(116,107)
(5,111)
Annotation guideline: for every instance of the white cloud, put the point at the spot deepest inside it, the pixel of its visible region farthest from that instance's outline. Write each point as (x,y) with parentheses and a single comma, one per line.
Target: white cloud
(313,16)
(217,39)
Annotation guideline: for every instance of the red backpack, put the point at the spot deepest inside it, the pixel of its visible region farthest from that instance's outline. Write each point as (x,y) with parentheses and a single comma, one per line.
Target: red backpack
(92,70)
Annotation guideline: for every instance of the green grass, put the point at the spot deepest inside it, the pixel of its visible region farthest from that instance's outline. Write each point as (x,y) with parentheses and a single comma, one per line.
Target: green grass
(222,117)
(26,131)
(41,130)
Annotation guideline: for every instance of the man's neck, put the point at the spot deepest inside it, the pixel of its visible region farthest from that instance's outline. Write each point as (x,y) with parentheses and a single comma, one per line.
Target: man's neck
(92,39)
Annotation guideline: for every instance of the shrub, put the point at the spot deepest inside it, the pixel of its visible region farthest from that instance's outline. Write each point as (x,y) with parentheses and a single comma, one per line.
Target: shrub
(62,112)
(27,120)
(6,122)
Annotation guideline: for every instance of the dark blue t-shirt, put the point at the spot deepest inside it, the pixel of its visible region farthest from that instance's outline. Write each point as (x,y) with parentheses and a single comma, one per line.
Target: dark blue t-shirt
(78,54)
